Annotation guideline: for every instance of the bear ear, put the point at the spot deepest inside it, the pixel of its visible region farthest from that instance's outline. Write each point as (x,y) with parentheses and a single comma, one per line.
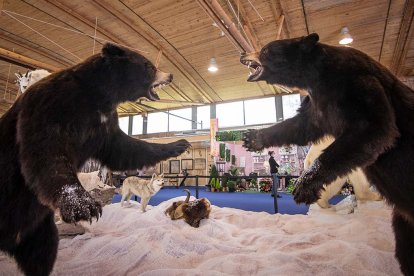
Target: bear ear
(112,50)
(308,42)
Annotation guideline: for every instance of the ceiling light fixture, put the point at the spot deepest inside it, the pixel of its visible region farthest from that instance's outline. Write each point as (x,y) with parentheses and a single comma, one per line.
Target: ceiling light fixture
(213,65)
(346,38)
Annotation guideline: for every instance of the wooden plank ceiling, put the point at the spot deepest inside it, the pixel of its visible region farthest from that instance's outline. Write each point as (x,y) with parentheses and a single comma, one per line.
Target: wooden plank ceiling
(186,35)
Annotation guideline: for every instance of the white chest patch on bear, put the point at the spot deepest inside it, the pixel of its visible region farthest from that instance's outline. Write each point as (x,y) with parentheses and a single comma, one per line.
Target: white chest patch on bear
(104,119)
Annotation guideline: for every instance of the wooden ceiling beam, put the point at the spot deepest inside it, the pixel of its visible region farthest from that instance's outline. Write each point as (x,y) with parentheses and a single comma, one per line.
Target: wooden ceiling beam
(66,9)
(280,26)
(32,47)
(224,22)
(278,11)
(6,101)
(144,30)
(404,38)
(248,26)
(14,57)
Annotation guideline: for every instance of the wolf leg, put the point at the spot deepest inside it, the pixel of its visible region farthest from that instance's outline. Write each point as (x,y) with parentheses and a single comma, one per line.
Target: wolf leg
(129,195)
(144,203)
(124,195)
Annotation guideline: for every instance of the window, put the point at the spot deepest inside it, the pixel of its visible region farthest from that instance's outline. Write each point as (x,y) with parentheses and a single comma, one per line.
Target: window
(157,122)
(203,115)
(260,111)
(291,103)
(230,114)
(137,124)
(123,124)
(178,124)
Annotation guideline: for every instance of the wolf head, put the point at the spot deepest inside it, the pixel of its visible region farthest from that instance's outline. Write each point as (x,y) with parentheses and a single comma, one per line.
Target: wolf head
(157,181)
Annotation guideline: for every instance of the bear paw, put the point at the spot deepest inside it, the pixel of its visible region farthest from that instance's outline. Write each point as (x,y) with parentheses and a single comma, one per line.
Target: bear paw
(76,204)
(253,141)
(307,191)
(176,148)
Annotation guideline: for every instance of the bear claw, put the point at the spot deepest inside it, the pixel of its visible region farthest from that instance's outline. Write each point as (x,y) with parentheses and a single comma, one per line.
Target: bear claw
(252,140)
(76,204)
(306,194)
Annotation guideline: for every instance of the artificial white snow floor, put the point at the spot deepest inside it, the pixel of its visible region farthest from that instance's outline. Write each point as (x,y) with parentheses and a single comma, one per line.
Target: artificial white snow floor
(232,242)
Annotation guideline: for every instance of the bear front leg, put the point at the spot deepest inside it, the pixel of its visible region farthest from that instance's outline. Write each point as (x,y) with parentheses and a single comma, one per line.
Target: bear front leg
(122,152)
(54,181)
(299,130)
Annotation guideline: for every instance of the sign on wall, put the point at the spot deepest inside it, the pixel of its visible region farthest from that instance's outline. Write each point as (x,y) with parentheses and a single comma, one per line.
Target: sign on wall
(213,131)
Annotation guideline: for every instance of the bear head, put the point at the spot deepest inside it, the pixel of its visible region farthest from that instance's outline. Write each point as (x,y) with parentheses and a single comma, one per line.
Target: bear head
(119,74)
(284,62)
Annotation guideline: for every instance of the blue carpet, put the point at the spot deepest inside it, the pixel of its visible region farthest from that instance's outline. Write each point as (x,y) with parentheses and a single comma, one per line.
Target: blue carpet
(257,202)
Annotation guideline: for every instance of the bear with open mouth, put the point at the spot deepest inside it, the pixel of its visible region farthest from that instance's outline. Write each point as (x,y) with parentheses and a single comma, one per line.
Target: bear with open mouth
(48,134)
(359,102)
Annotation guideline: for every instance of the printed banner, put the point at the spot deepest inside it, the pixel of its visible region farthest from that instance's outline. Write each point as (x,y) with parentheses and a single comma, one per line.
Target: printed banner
(213,132)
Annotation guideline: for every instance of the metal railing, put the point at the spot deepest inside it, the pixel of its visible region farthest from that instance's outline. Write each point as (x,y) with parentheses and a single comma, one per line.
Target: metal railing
(197,186)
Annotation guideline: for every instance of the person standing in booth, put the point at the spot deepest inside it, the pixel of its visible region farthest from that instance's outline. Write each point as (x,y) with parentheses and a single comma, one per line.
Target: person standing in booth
(273,171)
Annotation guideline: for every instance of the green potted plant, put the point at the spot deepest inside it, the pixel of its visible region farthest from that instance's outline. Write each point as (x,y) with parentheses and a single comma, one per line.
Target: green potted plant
(214,178)
(231,185)
(291,186)
(215,185)
(265,185)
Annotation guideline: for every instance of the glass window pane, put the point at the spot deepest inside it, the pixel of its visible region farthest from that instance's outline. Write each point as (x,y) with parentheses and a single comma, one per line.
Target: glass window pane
(203,115)
(260,111)
(123,124)
(291,103)
(157,122)
(230,114)
(178,124)
(137,123)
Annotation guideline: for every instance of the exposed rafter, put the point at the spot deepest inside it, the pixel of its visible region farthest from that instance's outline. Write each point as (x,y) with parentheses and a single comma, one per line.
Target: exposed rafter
(23,60)
(35,48)
(278,11)
(224,22)
(404,38)
(279,25)
(247,26)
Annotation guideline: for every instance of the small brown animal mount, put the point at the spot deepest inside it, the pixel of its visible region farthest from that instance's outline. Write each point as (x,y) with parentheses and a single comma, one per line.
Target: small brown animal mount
(191,211)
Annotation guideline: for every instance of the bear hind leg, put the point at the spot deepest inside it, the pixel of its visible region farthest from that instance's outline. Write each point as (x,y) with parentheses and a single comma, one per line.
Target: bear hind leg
(36,253)
(404,243)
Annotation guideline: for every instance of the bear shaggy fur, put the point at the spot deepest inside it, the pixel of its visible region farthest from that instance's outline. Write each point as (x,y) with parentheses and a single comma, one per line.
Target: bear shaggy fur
(368,111)
(48,134)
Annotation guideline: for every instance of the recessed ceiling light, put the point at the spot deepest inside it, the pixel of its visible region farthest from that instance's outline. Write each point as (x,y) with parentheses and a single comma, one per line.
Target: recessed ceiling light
(346,38)
(213,65)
